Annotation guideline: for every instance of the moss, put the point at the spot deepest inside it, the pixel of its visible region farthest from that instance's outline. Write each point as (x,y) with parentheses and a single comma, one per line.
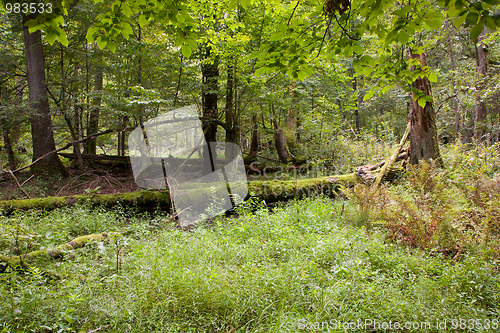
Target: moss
(273,191)
(270,191)
(145,200)
(55,253)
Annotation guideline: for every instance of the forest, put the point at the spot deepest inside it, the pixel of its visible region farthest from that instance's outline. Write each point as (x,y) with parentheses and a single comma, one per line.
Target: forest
(250,166)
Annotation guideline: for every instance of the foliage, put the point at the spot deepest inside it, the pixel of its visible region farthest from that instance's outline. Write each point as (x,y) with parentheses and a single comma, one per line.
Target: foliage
(258,272)
(446,210)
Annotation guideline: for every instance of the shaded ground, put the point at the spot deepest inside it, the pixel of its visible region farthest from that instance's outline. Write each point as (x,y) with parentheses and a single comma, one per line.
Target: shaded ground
(100,180)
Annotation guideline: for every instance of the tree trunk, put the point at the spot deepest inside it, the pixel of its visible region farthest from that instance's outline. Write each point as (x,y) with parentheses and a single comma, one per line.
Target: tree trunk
(280,143)
(480,109)
(292,127)
(233,134)
(254,143)
(8,148)
(424,144)
(454,82)
(41,122)
(93,125)
(210,72)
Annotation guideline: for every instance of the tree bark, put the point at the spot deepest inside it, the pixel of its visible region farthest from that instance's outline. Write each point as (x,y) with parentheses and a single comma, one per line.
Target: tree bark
(93,125)
(41,122)
(280,143)
(480,109)
(210,72)
(232,135)
(424,144)
(356,106)
(8,148)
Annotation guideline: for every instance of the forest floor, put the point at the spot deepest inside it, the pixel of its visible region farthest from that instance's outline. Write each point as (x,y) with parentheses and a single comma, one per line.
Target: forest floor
(99,180)
(423,251)
(306,266)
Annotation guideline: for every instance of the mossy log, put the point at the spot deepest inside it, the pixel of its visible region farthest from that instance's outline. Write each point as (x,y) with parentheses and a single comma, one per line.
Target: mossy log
(270,191)
(23,260)
(144,200)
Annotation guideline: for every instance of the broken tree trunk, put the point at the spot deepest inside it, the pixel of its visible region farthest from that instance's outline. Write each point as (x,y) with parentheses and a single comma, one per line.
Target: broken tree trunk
(394,156)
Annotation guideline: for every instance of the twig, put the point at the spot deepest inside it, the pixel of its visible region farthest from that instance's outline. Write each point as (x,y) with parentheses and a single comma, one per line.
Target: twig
(343,29)
(288,23)
(15,179)
(98,329)
(324,35)
(354,132)
(27,180)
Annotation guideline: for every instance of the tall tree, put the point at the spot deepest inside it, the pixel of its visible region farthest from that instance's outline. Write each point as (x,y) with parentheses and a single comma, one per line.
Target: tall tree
(41,122)
(210,73)
(480,108)
(93,125)
(424,143)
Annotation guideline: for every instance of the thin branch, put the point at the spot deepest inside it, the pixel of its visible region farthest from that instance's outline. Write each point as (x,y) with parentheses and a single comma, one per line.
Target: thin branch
(289,19)
(343,29)
(323,39)
(90,137)
(19,185)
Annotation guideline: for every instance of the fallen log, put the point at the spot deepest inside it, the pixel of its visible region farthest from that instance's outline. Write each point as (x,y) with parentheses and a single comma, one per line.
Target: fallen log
(123,159)
(144,200)
(270,191)
(22,260)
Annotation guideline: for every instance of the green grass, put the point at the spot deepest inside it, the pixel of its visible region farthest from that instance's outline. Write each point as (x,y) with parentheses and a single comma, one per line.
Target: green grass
(282,271)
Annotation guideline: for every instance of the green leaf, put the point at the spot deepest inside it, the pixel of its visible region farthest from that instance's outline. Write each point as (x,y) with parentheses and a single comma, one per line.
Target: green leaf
(261,71)
(476,31)
(245,3)
(143,21)
(490,22)
(432,77)
(302,75)
(62,39)
(91,34)
(422,101)
(126,9)
(101,42)
(180,18)
(403,37)
(179,41)
(492,2)
(277,36)
(357,49)
(192,43)
(186,51)
(51,37)
(472,18)
(433,23)
(111,46)
(496,18)
(126,30)
(368,95)
(459,21)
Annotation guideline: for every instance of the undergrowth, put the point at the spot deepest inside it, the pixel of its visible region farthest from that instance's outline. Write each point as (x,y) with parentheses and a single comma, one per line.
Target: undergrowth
(303,263)
(449,210)
(424,250)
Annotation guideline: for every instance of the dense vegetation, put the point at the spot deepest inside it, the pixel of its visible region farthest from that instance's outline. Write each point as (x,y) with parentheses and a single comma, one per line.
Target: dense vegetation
(424,250)
(314,93)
